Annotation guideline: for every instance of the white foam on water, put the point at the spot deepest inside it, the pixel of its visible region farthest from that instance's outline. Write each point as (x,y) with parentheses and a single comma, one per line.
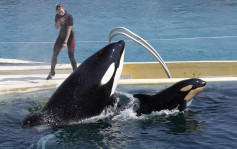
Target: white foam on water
(129,114)
(131,98)
(165,112)
(106,113)
(125,115)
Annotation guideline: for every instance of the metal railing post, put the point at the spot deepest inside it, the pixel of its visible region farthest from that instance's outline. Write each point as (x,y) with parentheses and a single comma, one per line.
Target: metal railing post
(142,43)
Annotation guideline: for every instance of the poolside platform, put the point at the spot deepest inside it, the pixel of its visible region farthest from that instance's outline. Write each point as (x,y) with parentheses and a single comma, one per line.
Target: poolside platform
(23,76)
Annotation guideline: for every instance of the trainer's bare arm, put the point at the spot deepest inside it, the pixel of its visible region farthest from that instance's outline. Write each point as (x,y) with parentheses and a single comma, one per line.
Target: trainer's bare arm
(58,23)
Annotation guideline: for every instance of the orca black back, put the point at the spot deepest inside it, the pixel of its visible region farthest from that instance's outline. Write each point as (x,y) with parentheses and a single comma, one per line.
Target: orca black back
(175,96)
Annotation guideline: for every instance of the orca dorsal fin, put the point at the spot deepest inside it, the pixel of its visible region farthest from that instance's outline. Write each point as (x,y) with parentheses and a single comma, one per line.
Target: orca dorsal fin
(143,98)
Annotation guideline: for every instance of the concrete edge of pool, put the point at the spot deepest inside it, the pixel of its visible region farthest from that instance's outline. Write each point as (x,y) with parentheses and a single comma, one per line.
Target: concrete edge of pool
(25,76)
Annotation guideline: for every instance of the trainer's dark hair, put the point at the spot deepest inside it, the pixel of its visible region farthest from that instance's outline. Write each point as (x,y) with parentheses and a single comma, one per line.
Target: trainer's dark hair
(58,6)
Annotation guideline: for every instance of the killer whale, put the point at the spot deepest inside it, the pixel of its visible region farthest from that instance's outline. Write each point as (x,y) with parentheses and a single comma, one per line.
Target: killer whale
(86,92)
(175,96)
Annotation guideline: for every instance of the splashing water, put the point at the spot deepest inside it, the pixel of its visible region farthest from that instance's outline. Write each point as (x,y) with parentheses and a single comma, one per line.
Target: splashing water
(128,112)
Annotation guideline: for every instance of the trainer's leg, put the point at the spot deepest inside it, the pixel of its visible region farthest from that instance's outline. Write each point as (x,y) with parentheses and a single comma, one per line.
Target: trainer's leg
(57,47)
(71,45)
(56,50)
(73,61)
(54,60)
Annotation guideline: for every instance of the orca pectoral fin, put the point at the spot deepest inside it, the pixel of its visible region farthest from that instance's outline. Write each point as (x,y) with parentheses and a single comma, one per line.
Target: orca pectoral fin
(182,106)
(143,98)
(32,120)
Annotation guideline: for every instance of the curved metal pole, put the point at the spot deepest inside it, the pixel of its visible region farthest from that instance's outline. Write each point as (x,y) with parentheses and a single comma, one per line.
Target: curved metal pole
(138,42)
(146,45)
(138,37)
(149,50)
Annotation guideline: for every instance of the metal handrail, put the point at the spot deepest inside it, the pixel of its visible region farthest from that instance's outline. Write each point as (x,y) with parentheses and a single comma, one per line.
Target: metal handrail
(143,43)
(138,37)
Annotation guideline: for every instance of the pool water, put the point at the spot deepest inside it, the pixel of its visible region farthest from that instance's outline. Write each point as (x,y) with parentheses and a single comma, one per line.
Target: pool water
(184,30)
(209,122)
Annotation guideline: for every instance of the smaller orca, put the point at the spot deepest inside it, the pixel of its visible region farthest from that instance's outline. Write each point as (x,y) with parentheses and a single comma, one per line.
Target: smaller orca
(175,96)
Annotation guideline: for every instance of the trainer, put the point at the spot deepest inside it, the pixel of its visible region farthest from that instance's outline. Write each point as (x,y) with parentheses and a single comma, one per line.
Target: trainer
(64,20)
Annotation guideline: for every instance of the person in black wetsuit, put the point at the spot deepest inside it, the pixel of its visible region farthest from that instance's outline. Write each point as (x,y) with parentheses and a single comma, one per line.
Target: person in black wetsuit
(64,20)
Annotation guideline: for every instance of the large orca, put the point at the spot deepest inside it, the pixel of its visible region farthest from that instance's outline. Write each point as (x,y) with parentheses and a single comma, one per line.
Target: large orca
(175,96)
(86,92)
